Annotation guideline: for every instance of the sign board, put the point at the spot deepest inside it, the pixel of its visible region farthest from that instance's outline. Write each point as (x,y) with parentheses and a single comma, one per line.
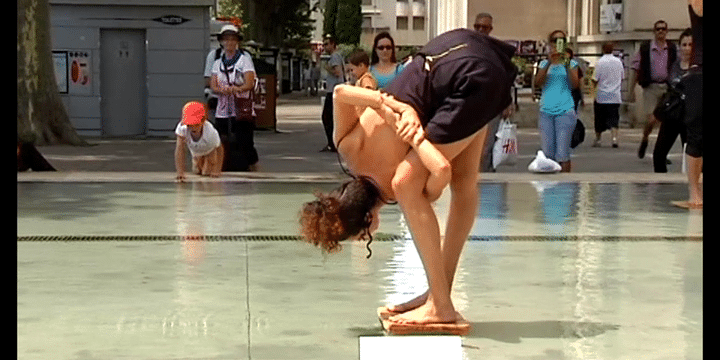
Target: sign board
(171,19)
(60,63)
(611,18)
(80,72)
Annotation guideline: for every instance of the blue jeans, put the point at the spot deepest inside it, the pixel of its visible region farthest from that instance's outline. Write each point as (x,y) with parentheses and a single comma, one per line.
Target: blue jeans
(556,134)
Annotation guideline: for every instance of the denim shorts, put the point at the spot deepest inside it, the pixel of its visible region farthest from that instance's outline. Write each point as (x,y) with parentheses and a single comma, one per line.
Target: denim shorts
(556,134)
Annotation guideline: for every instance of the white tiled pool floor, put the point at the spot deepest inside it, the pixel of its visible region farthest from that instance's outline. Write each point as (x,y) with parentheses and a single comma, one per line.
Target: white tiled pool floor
(570,270)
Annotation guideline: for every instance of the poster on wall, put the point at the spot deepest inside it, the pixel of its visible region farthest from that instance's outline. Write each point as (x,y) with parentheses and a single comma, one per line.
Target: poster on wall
(60,63)
(528,47)
(611,18)
(80,72)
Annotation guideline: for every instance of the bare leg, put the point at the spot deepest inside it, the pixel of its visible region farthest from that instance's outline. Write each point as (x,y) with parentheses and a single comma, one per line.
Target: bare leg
(463,206)
(694,169)
(198,165)
(439,259)
(425,230)
(215,161)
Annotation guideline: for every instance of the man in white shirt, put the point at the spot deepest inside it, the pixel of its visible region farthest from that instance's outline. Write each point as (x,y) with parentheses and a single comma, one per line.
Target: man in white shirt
(607,79)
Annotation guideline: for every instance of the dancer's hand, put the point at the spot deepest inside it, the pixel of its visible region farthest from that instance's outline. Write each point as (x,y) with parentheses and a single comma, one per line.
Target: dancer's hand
(409,128)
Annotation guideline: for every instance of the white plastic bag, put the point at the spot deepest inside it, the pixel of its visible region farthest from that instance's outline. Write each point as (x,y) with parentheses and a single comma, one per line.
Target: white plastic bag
(541,164)
(505,149)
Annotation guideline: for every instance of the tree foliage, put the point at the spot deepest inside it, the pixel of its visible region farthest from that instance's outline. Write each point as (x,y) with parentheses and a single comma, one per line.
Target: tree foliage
(349,21)
(343,20)
(279,23)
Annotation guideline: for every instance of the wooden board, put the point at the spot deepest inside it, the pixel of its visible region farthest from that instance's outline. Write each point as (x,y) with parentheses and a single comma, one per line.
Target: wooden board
(461,327)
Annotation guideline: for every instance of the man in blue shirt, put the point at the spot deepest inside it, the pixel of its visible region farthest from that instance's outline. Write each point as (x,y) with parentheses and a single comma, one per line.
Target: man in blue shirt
(335,76)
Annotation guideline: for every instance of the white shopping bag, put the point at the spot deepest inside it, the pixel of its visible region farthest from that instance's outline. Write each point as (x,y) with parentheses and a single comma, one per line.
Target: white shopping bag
(541,164)
(505,149)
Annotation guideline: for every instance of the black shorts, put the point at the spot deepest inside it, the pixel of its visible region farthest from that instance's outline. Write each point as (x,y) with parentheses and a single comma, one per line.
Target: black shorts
(606,116)
(461,90)
(692,87)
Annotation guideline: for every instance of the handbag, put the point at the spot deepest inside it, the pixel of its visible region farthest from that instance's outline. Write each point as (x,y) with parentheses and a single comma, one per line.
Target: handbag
(578,135)
(671,105)
(244,107)
(505,149)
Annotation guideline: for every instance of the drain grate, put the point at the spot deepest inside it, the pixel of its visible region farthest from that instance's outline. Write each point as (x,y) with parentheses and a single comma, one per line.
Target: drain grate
(378,237)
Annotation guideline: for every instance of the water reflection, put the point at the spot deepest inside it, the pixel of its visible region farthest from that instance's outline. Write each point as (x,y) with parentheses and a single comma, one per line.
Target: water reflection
(558,202)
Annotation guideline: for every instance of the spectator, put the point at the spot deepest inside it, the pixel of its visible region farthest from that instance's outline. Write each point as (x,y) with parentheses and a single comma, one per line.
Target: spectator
(211,98)
(314,78)
(557,76)
(383,63)
(359,64)
(201,138)
(652,66)
(692,86)
(483,25)
(671,128)
(306,80)
(335,75)
(607,79)
(233,78)
(576,91)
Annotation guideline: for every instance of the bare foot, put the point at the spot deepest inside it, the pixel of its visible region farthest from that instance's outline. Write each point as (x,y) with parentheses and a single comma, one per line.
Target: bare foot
(410,305)
(688,204)
(428,313)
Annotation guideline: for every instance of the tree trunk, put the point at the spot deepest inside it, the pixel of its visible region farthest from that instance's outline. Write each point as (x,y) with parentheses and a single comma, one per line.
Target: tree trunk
(42,118)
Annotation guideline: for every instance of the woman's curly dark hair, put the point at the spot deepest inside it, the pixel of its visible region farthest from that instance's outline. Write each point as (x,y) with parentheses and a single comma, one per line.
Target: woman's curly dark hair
(344,212)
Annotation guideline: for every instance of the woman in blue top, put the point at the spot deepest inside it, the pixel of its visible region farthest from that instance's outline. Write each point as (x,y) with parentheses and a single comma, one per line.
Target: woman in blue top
(557,76)
(383,63)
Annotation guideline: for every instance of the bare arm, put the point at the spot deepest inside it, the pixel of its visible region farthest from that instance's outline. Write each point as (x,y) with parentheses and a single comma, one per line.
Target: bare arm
(394,112)
(697,6)
(180,158)
(541,75)
(335,70)
(574,77)
(215,86)
(249,83)
(346,97)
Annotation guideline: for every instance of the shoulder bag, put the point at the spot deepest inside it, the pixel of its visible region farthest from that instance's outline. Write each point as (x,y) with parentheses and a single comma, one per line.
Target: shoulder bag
(671,105)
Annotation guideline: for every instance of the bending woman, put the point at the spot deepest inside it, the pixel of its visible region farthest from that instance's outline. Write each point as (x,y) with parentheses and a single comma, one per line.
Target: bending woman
(407,145)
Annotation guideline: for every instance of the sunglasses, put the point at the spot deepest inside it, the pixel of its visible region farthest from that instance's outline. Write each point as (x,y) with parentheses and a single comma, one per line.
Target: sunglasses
(384,47)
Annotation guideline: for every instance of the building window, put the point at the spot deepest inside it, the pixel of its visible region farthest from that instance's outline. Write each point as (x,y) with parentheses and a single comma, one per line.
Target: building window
(418,23)
(402,22)
(367,22)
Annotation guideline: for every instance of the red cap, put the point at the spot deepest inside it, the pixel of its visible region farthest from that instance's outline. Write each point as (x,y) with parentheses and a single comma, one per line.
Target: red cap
(193,113)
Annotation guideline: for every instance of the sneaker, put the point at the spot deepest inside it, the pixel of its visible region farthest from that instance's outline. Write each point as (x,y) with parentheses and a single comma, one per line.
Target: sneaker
(615,143)
(643,147)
